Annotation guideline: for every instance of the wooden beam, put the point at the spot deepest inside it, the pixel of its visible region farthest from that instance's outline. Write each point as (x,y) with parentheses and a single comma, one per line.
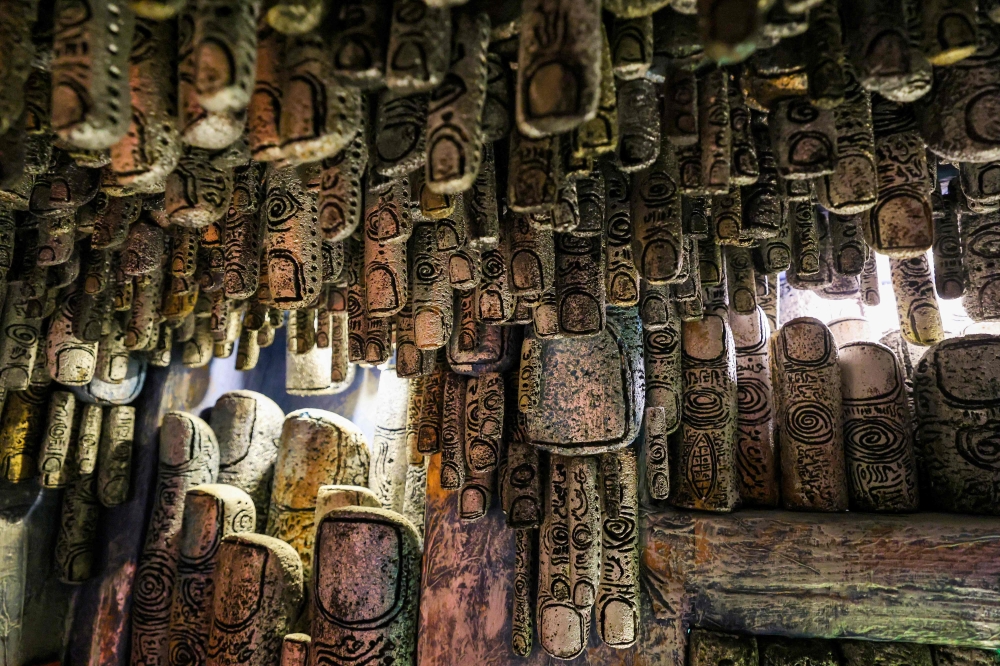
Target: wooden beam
(923,578)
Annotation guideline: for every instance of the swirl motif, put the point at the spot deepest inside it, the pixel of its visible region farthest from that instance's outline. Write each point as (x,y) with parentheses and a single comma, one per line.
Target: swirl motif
(450,436)
(583,537)
(187,649)
(705,407)
(980,445)
(355,305)
(493,266)
(656,452)
(195,591)
(153,591)
(619,230)
(26,335)
(426,270)
(244,520)
(559,534)
(659,190)
(804,216)
(809,422)
(874,440)
(948,246)
(57,430)
(753,398)
(281,207)
(739,260)
(492,401)
(802,112)
(521,585)
(618,532)
(575,245)
(661,342)
(985,244)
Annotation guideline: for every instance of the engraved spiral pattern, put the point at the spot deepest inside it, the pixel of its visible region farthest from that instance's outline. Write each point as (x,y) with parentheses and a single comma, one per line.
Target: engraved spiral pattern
(705,408)
(874,440)
(810,422)
(618,532)
(153,590)
(753,397)
(280,207)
